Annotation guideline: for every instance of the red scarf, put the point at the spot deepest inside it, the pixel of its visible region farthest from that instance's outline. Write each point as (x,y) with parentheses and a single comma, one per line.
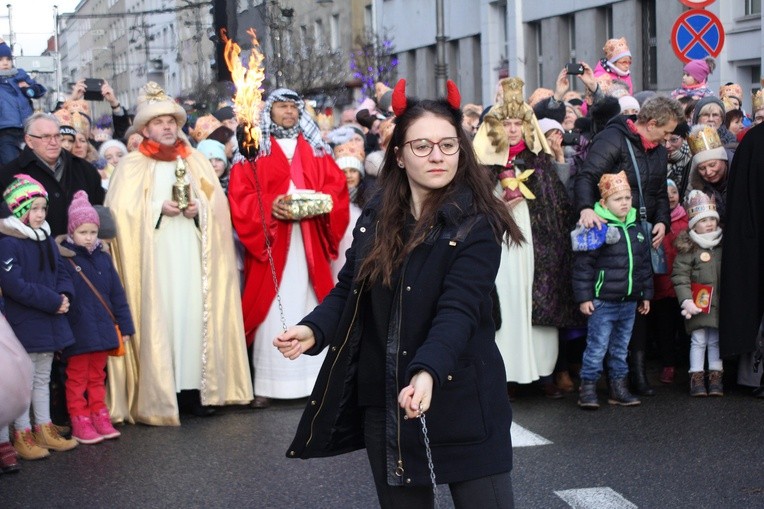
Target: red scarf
(154,150)
(514,150)
(646,144)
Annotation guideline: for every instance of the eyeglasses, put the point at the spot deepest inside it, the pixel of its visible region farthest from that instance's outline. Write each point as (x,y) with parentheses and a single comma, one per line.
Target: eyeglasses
(423,147)
(672,140)
(47,138)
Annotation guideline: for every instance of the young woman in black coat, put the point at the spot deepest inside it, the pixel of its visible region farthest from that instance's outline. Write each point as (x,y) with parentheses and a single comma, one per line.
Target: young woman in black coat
(409,327)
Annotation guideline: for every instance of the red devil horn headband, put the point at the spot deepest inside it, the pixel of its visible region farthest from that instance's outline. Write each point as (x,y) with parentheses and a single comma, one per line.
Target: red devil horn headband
(399,102)
(399,98)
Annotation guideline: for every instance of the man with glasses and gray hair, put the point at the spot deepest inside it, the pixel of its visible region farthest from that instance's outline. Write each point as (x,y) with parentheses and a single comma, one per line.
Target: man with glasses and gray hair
(61,173)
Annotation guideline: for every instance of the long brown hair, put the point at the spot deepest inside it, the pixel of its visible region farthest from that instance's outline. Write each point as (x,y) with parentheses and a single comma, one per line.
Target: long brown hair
(388,250)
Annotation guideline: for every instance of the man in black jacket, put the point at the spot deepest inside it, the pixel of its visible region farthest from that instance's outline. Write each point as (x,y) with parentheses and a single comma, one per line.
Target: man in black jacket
(609,153)
(61,173)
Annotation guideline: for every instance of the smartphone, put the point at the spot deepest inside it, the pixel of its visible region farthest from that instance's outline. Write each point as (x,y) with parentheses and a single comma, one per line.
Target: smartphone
(93,89)
(571,138)
(574,68)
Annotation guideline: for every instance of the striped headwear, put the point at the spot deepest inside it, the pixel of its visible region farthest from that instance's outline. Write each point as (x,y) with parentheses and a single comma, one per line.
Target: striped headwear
(305,124)
(20,194)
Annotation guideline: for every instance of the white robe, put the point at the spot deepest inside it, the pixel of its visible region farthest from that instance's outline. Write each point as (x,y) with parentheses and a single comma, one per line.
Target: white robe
(179,280)
(276,376)
(529,351)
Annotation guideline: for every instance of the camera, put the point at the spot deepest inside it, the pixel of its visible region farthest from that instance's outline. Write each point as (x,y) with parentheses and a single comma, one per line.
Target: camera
(574,68)
(571,138)
(93,89)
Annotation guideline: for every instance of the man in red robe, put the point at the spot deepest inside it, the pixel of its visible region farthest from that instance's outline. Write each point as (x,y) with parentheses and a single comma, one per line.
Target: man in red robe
(292,156)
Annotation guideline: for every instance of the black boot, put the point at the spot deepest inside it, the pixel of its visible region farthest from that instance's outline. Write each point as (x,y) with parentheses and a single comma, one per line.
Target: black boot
(620,395)
(638,374)
(587,396)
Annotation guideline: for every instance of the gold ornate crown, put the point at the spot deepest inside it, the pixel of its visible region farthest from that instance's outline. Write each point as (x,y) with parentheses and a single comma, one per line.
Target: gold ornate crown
(615,47)
(732,89)
(611,183)
(152,93)
(698,201)
(703,137)
(758,98)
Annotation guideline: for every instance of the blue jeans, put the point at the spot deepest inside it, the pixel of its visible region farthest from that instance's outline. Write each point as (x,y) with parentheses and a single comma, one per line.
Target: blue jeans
(609,331)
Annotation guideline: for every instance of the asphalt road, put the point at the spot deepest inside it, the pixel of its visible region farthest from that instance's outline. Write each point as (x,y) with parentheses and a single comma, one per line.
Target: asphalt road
(673,451)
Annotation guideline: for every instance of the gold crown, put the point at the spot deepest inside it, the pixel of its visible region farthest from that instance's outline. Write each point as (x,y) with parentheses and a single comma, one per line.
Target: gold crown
(611,183)
(152,93)
(732,89)
(615,47)
(758,98)
(703,137)
(698,201)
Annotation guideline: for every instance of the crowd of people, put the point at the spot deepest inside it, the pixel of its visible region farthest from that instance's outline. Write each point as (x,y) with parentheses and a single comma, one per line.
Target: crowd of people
(548,238)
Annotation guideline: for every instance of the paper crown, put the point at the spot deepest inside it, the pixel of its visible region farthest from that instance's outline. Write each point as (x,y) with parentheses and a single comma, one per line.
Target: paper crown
(204,127)
(698,206)
(615,49)
(732,89)
(611,183)
(703,137)
(758,98)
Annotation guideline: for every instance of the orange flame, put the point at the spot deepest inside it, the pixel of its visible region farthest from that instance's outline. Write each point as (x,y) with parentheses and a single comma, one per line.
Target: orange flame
(248,81)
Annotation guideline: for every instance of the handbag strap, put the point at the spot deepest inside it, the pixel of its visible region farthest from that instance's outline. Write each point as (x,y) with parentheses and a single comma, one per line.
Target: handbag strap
(642,208)
(78,269)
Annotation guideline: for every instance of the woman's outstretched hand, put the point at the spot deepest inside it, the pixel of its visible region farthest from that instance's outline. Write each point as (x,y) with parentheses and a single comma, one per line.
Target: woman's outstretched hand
(294,341)
(416,397)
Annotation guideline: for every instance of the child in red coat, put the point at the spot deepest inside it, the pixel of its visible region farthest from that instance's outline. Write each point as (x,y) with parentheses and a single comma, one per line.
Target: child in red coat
(664,322)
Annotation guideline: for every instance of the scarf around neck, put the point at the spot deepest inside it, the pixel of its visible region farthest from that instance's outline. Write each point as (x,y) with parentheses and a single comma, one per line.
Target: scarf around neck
(646,144)
(154,150)
(305,125)
(514,150)
(39,235)
(707,240)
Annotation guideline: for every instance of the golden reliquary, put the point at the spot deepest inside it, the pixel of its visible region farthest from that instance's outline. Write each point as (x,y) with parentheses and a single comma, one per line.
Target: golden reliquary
(181,190)
(307,203)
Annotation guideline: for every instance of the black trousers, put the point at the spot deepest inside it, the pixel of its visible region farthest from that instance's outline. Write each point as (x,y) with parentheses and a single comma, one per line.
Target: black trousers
(491,492)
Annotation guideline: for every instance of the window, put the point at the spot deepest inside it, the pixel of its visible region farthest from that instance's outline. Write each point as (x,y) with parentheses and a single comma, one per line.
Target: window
(368,20)
(334,31)
(752,7)
(539,52)
(318,31)
(649,46)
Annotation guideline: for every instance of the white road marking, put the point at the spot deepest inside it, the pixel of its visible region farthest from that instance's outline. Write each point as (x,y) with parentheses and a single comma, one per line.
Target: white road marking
(594,498)
(521,437)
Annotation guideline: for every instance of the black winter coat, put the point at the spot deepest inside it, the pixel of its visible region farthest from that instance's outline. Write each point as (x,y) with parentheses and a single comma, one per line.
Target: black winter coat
(440,322)
(91,324)
(78,175)
(615,272)
(609,153)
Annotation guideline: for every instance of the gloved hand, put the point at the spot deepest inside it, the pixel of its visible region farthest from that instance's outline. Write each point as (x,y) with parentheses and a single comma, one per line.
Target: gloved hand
(689,309)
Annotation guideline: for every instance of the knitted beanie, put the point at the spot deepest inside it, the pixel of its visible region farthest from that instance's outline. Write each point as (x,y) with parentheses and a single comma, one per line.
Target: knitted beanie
(106,145)
(212,150)
(5,50)
(81,212)
(698,69)
(21,193)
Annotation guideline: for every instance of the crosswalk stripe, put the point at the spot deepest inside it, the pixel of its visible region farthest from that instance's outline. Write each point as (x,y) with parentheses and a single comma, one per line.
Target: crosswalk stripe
(521,437)
(594,498)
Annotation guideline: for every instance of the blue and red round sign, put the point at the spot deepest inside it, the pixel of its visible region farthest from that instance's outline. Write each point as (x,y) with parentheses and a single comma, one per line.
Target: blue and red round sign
(697,34)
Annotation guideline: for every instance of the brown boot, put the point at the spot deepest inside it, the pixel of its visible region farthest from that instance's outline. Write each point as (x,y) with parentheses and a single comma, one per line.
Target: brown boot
(25,446)
(563,381)
(698,384)
(715,387)
(47,436)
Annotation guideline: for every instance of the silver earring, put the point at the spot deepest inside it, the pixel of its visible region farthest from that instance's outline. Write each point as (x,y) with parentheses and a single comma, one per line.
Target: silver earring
(400,165)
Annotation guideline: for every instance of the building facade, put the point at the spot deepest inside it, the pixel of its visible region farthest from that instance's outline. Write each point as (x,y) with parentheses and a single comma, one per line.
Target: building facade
(491,39)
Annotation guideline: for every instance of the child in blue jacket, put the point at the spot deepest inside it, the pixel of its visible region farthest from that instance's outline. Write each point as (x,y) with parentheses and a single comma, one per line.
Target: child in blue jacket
(17,89)
(91,323)
(37,291)
(610,284)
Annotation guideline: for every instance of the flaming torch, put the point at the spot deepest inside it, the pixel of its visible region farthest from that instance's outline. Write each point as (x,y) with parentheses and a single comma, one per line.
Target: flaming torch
(248,81)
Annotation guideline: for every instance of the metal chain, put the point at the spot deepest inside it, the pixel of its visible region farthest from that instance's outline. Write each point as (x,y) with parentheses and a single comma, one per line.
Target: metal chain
(429,460)
(268,248)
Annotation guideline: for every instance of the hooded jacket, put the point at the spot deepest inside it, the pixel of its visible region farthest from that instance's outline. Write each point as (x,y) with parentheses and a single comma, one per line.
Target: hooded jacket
(91,324)
(441,322)
(690,268)
(15,105)
(33,296)
(609,153)
(615,272)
